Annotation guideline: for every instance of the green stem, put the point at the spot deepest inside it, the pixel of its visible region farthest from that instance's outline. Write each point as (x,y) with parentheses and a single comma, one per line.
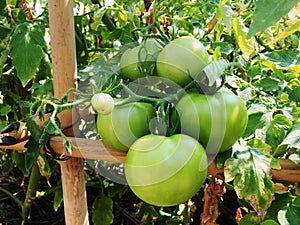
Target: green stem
(17,200)
(34,180)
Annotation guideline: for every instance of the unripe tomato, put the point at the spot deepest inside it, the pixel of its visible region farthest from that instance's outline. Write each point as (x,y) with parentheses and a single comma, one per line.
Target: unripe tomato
(217,121)
(180,59)
(125,124)
(166,171)
(136,62)
(103,103)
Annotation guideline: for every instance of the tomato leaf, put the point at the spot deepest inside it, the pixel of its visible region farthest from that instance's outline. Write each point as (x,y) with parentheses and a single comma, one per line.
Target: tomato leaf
(32,153)
(293,137)
(102,210)
(253,219)
(58,199)
(268,12)
(275,133)
(254,122)
(249,173)
(284,58)
(295,157)
(295,94)
(45,169)
(290,214)
(292,27)
(224,12)
(26,51)
(240,32)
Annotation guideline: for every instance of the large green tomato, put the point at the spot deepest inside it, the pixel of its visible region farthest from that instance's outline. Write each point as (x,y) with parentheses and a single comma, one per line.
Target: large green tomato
(166,171)
(217,121)
(180,59)
(143,55)
(125,124)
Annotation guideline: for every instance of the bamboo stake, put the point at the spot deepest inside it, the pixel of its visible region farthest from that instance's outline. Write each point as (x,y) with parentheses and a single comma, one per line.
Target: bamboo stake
(96,150)
(61,20)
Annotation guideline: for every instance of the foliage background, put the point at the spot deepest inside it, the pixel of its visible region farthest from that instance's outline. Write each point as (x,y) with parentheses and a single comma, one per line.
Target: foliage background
(259,38)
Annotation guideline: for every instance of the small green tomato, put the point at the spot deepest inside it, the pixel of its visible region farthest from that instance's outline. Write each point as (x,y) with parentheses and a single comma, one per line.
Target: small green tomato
(103,103)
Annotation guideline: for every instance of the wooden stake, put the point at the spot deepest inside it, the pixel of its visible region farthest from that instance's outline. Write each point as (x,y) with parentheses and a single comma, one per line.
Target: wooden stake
(61,19)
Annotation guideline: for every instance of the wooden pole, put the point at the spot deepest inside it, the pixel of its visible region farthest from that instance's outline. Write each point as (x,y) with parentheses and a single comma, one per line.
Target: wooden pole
(62,34)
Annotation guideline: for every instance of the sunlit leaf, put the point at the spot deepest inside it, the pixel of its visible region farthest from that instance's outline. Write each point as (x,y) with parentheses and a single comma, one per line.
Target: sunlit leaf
(293,137)
(240,32)
(268,84)
(254,122)
(224,13)
(292,27)
(284,58)
(290,214)
(26,51)
(268,12)
(215,69)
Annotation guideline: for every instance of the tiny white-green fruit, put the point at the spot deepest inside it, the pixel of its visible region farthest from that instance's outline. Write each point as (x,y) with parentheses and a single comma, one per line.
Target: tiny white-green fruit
(103,103)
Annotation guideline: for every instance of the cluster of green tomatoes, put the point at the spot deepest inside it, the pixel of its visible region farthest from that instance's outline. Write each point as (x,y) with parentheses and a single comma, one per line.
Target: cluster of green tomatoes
(166,169)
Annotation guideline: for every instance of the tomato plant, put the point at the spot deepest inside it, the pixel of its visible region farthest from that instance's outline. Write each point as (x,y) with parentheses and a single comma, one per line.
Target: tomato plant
(182,59)
(255,44)
(125,124)
(166,171)
(217,120)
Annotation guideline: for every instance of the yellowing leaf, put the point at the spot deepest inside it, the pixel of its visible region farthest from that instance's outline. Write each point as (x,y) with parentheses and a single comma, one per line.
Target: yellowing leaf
(293,26)
(249,173)
(240,31)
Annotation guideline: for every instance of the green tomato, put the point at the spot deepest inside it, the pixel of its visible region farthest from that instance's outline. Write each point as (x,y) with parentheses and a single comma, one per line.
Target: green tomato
(217,121)
(125,124)
(166,171)
(180,59)
(137,62)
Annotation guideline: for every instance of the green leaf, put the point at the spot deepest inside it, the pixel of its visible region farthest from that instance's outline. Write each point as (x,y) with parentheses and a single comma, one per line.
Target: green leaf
(275,133)
(293,137)
(295,157)
(32,153)
(292,27)
(102,210)
(278,203)
(19,159)
(284,58)
(268,12)
(268,84)
(33,127)
(240,32)
(253,219)
(225,47)
(254,122)
(5,110)
(26,51)
(295,94)
(290,214)
(58,199)
(249,173)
